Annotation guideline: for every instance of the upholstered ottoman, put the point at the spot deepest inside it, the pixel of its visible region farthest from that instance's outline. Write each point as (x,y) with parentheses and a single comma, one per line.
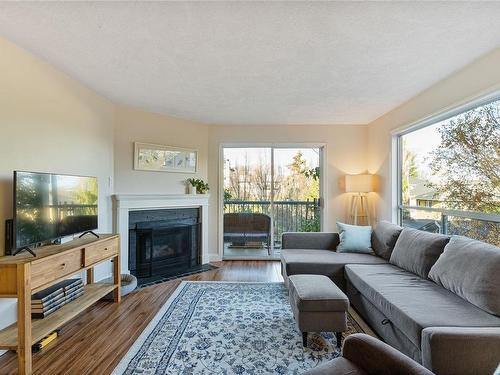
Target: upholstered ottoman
(318,305)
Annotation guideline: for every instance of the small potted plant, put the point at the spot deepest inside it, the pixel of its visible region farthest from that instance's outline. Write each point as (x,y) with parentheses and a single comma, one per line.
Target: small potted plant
(197,186)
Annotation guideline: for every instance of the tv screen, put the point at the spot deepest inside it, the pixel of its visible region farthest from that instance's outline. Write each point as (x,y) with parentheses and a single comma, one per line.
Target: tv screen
(50,206)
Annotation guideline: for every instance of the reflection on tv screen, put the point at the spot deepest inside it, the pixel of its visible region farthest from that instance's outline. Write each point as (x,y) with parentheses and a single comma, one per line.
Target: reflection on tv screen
(49,206)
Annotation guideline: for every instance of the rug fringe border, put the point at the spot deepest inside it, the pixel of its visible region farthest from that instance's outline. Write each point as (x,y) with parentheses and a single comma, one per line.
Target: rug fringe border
(123,364)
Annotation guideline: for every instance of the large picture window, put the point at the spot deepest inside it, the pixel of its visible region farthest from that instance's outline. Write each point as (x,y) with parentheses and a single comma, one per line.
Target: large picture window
(449,175)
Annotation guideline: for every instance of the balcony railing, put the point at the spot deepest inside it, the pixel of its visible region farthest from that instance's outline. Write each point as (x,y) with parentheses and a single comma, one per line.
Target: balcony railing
(479,225)
(288,216)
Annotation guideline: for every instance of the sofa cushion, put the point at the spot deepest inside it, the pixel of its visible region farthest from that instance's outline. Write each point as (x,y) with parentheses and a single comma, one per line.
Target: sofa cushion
(354,238)
(417,251)
(310,240)
(412,303)
(323,262)
(470,269)
(377,321)
(384,237)
(317,293)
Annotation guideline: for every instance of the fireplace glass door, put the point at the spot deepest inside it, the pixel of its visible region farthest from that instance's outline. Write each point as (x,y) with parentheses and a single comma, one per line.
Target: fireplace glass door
(164,243)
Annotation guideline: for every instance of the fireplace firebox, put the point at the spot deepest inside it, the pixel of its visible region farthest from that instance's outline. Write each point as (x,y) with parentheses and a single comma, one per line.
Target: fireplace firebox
(164,243)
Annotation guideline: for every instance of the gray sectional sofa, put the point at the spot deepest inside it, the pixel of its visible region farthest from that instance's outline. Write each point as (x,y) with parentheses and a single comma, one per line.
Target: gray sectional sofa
(436,300)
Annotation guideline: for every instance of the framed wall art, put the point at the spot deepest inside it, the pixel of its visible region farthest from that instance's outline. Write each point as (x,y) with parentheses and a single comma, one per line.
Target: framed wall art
(160,158)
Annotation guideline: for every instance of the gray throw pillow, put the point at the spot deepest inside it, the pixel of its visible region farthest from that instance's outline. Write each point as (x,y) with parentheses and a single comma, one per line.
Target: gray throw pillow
(470,269)
(417,251)
(384,237)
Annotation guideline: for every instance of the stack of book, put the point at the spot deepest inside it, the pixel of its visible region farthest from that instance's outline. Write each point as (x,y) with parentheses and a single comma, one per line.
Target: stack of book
(51,299)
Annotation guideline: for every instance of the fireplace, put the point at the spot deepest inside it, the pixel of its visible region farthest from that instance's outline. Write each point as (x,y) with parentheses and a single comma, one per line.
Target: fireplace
(164,243)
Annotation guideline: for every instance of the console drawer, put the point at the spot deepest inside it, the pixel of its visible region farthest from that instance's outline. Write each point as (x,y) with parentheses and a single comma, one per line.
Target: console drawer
(96,253)
(50,269)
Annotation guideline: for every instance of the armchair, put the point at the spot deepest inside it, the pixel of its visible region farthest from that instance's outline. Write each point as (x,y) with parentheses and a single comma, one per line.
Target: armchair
(365,355)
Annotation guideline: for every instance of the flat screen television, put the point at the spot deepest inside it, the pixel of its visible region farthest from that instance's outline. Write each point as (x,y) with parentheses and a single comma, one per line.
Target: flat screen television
(50,206)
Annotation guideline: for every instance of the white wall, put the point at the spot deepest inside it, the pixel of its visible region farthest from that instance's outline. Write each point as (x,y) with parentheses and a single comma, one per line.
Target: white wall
(138,126)
(346,154)
(476,79)
(50,123)
(346,150)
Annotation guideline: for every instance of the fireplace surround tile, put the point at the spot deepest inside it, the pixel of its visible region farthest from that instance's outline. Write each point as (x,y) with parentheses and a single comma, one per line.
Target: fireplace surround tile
(164,243)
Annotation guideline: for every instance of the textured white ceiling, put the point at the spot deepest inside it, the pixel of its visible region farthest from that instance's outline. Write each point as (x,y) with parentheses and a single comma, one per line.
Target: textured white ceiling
(254,62)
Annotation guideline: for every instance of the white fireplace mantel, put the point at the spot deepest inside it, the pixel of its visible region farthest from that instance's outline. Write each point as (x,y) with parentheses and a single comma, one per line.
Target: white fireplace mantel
(124,203)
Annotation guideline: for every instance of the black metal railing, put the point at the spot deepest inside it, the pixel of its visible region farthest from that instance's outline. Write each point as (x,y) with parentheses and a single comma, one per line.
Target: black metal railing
(288,216)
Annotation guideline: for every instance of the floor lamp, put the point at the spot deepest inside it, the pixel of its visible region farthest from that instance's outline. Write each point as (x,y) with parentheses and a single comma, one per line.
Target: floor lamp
(359,185)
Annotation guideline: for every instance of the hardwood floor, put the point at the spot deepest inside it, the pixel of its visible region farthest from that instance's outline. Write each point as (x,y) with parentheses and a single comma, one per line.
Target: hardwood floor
(94,342)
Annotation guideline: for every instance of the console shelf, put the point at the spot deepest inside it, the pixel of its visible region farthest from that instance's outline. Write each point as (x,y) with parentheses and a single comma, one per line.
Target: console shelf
(21,276)
(42,327)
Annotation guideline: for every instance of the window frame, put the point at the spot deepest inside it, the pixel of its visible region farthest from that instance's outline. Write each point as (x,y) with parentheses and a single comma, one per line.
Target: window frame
(445,114)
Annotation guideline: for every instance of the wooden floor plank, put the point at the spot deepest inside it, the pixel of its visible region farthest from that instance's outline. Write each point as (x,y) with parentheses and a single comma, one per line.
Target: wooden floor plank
(95,341)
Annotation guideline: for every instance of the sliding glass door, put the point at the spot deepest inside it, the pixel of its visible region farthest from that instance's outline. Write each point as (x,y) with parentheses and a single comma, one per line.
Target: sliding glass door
(268,191)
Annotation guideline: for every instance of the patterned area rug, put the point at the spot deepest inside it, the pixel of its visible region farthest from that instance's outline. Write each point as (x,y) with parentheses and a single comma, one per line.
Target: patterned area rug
(227,328)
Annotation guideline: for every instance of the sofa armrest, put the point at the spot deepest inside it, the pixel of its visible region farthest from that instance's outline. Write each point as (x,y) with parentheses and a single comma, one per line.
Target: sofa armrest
(461,350)
(310,240)
(376,357)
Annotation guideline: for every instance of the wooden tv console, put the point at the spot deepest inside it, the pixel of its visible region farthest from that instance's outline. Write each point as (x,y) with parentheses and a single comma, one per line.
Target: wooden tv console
(22,275)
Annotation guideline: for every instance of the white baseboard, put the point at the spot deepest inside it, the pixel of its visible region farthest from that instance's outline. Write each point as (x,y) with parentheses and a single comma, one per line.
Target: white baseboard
(214,258)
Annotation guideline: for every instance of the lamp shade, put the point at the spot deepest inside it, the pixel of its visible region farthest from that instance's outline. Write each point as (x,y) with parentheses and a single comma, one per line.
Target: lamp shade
(359,183)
